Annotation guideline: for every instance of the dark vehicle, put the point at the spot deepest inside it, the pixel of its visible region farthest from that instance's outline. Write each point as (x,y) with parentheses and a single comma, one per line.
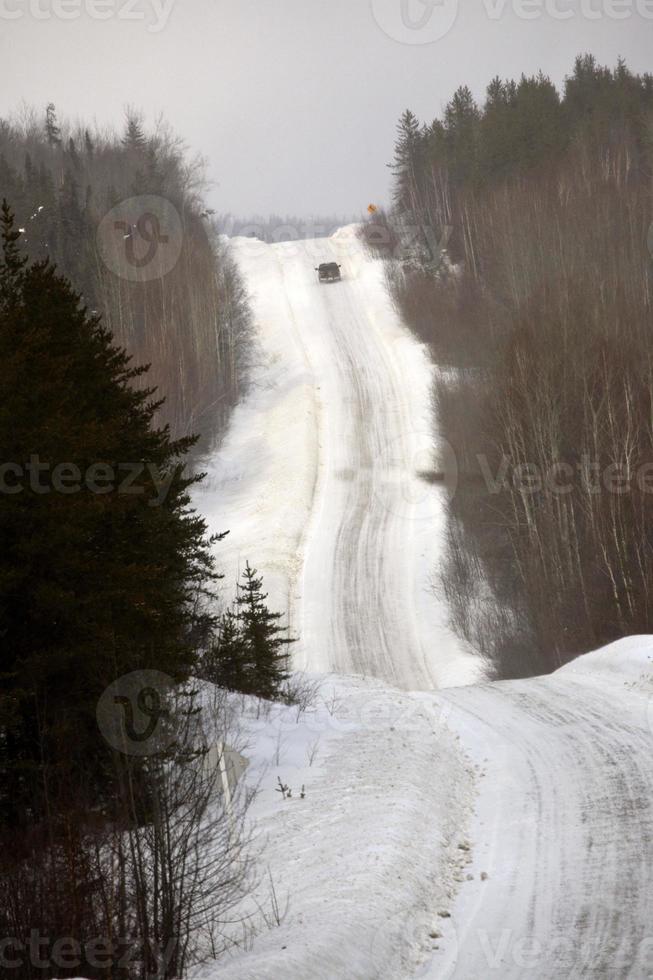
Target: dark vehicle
(328,272)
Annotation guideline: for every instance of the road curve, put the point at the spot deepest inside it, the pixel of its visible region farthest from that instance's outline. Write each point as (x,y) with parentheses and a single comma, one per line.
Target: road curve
(563,830)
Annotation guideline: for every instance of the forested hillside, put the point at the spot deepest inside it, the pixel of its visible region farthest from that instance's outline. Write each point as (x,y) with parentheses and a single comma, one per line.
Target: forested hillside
(520,250)
(108,578)
(190,320)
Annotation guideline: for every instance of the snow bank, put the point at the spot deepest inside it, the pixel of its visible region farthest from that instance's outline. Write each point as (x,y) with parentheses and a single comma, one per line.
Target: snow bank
(370,855)
(260,484)
(628,661)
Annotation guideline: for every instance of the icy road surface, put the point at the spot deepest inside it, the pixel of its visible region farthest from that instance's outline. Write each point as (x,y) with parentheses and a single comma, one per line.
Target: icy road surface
(320,478)
(564,823)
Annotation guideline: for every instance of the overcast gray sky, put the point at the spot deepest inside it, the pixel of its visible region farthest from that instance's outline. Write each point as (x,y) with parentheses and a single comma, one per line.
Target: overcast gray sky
(294,102)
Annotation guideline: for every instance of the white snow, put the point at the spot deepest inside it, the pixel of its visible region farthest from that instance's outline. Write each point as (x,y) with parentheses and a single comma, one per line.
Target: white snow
(363,864)
(318,483)
(563,822)
(627,662)
(522,810)
(547,781)
(318,478)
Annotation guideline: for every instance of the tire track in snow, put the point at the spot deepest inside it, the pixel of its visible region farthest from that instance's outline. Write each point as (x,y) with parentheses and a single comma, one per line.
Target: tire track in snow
(564,830)
(356,579)
(363,610)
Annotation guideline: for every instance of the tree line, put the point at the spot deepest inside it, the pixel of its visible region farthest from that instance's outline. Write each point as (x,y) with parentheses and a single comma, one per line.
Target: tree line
(520,250)
(191,323)
(121,857)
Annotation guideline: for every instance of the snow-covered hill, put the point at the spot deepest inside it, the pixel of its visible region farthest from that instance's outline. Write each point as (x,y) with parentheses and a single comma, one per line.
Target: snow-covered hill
(498,830)
(318,478)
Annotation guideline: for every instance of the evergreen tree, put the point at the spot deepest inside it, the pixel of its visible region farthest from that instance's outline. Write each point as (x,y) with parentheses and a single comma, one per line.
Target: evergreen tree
(265,642)
(497,138)
(538,132)
(227,663)
(74,235)
(248,654)
(134,137)
(13,263)
(408,163)
(52,131)
(461,123)
(10,182)
(73,154)
(96,579)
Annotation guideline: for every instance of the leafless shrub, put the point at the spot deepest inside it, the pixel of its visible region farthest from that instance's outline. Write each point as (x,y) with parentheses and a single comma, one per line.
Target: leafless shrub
(275,914)
(301,691)
(332,703)
(312,750)
(545,341)
(158,884)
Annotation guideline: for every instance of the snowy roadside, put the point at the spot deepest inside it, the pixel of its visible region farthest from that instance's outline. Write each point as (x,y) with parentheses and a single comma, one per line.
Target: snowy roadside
(626,664)
(319,477)
(498,830)
(365,862)
(260,485)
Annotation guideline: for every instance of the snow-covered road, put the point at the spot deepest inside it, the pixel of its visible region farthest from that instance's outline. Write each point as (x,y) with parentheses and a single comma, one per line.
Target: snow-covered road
(319,482)
(319,478)
(564,823)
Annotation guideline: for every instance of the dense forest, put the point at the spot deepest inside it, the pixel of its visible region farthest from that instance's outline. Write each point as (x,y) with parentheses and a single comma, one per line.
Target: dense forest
(65,183)
(121,852)
(113,824)
(519,249)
